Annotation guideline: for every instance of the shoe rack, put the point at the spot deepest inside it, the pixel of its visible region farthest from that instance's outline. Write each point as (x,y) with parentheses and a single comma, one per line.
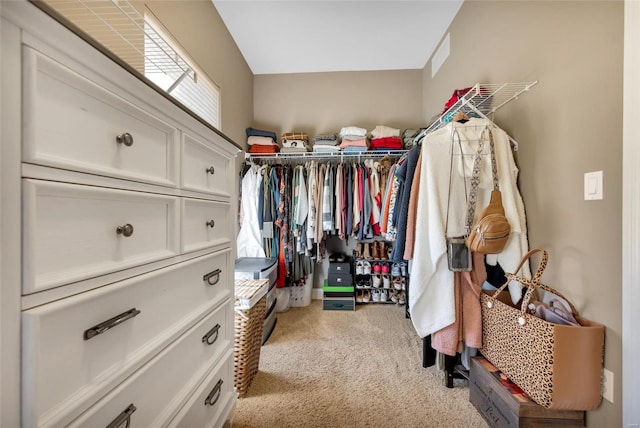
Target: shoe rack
(378,279)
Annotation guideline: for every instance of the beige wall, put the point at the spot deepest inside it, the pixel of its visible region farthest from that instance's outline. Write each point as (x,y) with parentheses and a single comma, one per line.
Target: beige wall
(197,26)
(325,102)
(568,124)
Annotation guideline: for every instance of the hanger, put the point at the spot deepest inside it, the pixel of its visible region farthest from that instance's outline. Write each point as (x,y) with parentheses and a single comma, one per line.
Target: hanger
(460,117)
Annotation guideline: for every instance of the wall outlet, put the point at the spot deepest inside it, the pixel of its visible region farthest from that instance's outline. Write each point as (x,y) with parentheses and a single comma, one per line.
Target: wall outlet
(607,385)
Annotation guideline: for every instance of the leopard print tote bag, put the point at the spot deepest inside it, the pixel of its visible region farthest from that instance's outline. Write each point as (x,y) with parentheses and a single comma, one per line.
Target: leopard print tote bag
(558,366)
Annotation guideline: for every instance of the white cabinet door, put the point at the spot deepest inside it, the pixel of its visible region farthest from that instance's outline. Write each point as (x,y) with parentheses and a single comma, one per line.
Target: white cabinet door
(74,232)
(78,348)
(205,169)
(204,224)
(72,123)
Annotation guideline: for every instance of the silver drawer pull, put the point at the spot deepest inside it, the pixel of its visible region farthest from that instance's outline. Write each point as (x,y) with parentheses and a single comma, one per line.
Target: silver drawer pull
(110,323)
(215,392)
(123,417)
(211,170)
(210,275)
(206,338)
(126,139)
(126,230)
(211,223)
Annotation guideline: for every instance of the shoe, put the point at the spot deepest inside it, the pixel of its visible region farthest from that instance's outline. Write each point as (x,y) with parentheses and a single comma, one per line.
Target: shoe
(366,268)
(358,296)
(394,296)
(365,253)
(383,249)
(366,296)
(403,283)
(377,269)
(383,295)
(386,281)
(401,298)
(375,295)
(375,251)
(395,269)
(359,267)
(385,268)
(358,251)
(397,284)
(403,269)
(376,281)
(389,251)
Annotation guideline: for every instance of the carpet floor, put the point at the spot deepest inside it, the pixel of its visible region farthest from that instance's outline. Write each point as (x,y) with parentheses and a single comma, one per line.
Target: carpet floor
(350,369)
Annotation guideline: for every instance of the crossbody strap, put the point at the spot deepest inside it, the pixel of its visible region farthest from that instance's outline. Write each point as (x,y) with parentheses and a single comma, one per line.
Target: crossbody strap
(454,133)
(475,177)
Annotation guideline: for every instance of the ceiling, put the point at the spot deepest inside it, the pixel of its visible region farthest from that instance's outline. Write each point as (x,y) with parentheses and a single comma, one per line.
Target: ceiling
(306,36)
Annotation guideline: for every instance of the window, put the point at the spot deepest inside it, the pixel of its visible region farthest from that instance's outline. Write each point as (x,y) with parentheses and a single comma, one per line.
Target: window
(143,43)
(174,72)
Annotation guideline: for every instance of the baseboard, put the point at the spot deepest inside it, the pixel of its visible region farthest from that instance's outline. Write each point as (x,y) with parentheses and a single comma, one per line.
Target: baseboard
(317,294)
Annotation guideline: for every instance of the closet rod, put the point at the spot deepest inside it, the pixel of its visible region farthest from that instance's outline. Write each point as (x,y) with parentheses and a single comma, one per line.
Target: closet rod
(335,156)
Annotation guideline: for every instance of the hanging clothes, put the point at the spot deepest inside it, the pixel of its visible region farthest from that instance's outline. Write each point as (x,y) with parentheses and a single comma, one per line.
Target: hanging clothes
(431,290)
(467,328)
(405,174)
(374,194)
(413,208)
(249,240)
(320,235)
(386,201)
(312,167)
(295,208)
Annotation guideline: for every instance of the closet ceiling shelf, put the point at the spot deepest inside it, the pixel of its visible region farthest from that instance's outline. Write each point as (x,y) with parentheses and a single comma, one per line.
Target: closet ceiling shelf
(482,100)
(337,156)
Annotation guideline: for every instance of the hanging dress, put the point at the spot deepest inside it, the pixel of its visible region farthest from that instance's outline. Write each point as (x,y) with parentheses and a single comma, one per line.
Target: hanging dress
(249,240)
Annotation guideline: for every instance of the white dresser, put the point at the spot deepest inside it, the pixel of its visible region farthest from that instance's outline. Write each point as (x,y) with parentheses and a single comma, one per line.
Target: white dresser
(117,242)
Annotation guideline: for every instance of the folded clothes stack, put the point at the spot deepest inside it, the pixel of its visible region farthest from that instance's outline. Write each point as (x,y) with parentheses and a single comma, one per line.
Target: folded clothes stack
(325,143)
(294,142)
(355,137)
(261,142)
(385,138)
(408,137)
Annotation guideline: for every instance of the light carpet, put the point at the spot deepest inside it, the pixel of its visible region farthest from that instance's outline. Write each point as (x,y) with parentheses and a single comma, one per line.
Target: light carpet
(360,368)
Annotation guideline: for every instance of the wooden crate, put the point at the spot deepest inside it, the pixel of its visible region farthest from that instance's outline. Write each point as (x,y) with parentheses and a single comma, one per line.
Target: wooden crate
(502,404)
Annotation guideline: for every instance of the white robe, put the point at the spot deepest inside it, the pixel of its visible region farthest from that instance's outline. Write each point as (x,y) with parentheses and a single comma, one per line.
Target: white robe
(249,240)
(431,296)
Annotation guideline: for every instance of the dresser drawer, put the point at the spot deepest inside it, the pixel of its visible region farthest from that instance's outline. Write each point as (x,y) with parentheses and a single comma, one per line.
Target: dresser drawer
(74,232)
(212,400)
(204,169)
(72,123)
(162,386)
(71,356)
(204,224)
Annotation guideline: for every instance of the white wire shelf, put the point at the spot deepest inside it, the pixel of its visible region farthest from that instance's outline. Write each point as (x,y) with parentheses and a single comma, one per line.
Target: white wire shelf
(482,100)
(334,156)
(121,28)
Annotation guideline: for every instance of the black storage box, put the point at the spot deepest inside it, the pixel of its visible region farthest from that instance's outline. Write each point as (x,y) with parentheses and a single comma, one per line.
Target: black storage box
(340,279)
(339,268)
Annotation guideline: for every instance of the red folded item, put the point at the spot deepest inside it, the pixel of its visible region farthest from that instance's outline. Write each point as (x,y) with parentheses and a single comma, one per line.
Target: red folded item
(259,149)
(457,94)
(391,143)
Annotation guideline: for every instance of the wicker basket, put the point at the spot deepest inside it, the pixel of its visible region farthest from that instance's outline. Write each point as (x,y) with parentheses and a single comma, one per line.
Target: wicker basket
(248,335)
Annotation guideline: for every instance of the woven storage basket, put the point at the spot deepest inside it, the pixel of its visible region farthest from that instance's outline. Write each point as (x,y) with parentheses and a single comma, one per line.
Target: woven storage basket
(248,334)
